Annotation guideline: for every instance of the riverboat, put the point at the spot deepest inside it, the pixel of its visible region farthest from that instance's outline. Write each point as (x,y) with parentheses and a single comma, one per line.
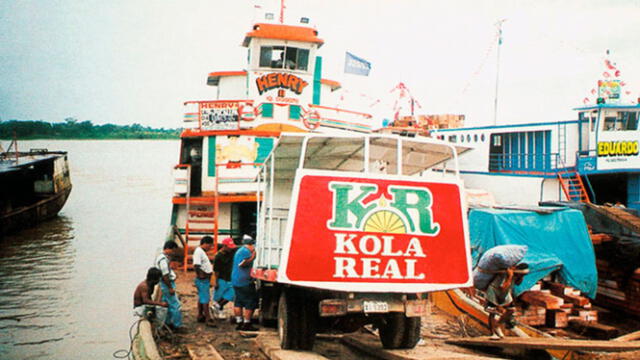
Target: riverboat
(594,158)
(35,186)
(226,139)
(247,160)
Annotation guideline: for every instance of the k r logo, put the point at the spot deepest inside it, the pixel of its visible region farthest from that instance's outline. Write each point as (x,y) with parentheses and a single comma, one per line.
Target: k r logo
(408,210)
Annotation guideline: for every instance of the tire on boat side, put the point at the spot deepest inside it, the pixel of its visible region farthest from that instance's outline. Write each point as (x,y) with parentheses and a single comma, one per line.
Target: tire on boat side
(398,331)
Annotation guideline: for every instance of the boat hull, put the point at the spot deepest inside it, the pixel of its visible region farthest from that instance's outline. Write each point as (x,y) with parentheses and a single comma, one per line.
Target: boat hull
(29,216)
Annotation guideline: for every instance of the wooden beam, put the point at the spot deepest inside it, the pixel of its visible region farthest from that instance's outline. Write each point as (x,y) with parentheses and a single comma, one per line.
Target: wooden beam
(548,343)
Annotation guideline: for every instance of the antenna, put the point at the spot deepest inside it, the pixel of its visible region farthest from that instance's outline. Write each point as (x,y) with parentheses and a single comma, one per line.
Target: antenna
(495,99)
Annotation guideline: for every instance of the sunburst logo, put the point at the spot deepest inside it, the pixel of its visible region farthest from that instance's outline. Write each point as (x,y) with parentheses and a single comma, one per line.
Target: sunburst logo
(406,210)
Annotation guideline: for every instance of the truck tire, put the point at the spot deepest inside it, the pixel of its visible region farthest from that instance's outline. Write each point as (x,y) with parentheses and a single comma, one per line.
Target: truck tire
(411,332)
(308,324)
(391,330)
(399,332)
(289,325)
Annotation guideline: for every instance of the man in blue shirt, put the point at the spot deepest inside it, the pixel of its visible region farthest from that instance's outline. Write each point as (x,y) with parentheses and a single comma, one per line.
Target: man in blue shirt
(246,296)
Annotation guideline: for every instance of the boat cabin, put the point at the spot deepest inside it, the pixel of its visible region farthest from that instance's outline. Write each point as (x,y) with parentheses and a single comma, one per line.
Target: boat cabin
(594,158)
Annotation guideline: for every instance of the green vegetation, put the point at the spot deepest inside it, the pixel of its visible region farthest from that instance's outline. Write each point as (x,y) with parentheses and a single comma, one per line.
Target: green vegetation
(72,129)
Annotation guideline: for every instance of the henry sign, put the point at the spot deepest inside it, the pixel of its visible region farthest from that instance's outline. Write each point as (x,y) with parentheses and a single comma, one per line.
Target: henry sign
(365,234)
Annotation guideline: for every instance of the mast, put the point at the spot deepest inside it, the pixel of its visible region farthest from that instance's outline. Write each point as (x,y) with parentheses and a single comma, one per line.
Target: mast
(495,99)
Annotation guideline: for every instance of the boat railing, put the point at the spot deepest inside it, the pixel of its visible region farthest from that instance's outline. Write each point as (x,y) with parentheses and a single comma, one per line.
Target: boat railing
(525,163)
(231,115)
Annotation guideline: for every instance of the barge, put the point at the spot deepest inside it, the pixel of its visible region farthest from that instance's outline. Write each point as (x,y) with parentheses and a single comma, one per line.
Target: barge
(35,187)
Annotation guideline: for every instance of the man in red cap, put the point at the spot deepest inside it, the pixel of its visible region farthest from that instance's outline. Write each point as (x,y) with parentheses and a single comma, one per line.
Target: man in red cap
(222,264)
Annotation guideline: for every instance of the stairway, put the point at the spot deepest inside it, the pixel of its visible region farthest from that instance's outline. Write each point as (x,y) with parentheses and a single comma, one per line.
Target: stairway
(572,186)
(198,225)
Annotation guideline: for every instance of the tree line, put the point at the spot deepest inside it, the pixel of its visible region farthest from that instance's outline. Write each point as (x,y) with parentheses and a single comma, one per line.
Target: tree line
(71,128)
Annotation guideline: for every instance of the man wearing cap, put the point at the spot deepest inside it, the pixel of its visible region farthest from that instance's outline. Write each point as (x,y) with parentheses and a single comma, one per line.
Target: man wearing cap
(246,296)
(222,264)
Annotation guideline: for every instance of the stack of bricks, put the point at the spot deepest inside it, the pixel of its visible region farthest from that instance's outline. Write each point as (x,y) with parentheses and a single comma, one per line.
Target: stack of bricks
(554,305)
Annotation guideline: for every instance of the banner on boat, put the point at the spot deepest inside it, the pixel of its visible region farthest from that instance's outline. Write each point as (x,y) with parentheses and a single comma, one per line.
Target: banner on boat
(218,115)
(617,150)
(376,234)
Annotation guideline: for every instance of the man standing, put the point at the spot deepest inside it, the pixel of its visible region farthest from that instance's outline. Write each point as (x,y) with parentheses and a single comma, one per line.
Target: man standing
(142,302)
(168,286)
(204,270)
(246,296)
(222,265)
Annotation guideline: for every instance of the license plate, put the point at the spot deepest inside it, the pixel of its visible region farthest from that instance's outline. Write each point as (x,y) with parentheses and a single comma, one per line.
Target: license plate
(375,307)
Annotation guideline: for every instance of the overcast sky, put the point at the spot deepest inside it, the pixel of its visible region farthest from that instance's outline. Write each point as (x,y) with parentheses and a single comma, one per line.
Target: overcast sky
(125,61)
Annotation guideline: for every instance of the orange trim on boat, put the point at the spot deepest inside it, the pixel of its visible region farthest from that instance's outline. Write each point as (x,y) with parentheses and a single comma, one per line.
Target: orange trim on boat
(283,32)
(214,77)
(340,110)
(335,85)
(209,200)
(197,133)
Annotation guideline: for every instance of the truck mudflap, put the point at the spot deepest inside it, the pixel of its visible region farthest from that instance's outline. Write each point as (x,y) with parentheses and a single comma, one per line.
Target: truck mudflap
(341,307)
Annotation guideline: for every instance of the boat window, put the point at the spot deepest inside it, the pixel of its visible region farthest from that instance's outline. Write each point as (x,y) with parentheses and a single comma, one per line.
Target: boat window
(628,120)
(475,138)
(482,137)
(468,138)
(294,112)
(284,57)
(453,138)
(592,121)
(461,138)
(266,110)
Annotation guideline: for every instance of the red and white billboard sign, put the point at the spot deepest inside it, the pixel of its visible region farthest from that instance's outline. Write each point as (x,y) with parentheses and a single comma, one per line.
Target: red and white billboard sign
(368,234)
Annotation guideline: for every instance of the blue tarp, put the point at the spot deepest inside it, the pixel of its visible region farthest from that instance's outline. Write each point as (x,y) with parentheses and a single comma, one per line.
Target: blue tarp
(556,241)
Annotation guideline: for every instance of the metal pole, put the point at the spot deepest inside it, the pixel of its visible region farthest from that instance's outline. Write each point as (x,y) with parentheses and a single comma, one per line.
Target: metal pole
(495,99)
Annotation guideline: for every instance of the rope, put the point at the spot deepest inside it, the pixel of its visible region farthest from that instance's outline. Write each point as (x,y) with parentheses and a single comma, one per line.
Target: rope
(122,353)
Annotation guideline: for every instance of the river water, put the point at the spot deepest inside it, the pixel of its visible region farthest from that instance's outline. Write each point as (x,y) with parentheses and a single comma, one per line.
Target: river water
(66,286)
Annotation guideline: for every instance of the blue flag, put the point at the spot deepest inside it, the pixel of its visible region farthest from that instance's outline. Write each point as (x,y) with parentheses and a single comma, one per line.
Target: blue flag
(356,65)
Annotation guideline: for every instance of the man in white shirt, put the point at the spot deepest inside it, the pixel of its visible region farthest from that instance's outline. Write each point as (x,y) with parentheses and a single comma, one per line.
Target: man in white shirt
(168,286)
(204,270)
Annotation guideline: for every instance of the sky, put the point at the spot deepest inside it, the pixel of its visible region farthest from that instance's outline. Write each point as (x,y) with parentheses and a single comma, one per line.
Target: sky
(137,61)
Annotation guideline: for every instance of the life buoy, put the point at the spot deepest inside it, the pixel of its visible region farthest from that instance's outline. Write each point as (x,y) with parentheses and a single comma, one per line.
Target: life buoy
(311,120)
(246,112)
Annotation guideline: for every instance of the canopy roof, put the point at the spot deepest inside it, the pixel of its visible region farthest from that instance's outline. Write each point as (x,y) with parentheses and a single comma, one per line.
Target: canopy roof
(347,153)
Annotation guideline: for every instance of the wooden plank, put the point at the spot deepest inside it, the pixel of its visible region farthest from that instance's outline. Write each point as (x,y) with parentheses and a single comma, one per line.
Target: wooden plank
(203,352)
(594,329)
(628,337)
(548,343)
(539,298)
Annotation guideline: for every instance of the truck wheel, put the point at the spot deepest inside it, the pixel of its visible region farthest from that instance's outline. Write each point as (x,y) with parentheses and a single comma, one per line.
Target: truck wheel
(391,330)
(399,332)
(308,324)
(411,332)
(289,326)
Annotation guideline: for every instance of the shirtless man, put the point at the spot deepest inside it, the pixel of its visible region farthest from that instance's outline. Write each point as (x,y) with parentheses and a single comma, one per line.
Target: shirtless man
(144,290)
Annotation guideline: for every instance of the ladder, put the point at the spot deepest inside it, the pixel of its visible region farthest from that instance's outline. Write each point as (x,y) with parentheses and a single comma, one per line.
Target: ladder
(572,186)
(199,223)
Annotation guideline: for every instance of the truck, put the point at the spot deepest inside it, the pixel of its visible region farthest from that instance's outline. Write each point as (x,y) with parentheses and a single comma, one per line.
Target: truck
(357,229)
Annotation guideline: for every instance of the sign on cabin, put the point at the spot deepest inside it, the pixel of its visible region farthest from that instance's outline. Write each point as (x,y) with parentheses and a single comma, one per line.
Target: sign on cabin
(216,115)
(352,230)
